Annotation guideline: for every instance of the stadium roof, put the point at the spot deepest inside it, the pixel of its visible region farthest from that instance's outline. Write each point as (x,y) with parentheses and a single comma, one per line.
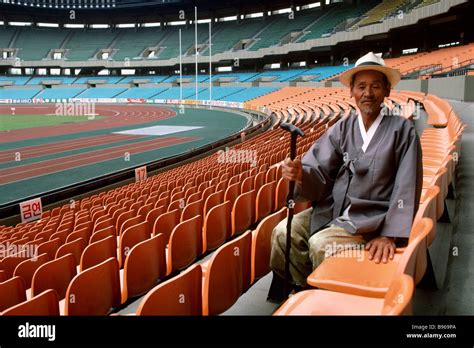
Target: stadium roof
(125,11)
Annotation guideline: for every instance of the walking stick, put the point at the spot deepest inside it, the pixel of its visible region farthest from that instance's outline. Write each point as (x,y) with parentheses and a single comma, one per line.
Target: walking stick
(294,131)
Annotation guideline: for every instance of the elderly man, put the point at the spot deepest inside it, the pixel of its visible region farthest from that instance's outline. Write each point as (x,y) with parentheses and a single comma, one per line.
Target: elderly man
(363,176)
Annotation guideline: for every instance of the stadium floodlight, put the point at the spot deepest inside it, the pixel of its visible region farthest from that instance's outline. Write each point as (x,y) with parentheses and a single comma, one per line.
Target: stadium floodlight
(254,15)
(312,5)
(47,25)
(20,24)
(74,26)
(177,23)
(149,25)
(227,19)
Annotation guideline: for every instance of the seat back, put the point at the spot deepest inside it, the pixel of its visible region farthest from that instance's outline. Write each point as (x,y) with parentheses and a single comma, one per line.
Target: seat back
(398,299)
(98,252)
(9,263)
(44,304)
(213,200)
(55,274)
(265,200)
(217,226)
(261,244)
(227,275)
(181,295)
(232,192)
(106,223)
(103,233)
(27,268)
(243,212)
(75,247)
(185,244)
(166,222)
(131,237)
(95,291)
(192,209)
(151,217)
(145,264)
(50,247)
(121,220)
(428,209)
(281,193)
(12,292)
(408,263)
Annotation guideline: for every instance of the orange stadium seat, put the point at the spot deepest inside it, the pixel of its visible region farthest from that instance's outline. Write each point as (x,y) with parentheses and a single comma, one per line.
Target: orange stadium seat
(98,251)
(181,295)
(397,301)
(145,264)
(95,291)
(12,292)
(226,275)
(44,304)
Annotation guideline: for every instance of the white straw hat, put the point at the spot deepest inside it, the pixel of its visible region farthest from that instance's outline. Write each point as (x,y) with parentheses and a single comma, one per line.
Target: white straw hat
(370,62)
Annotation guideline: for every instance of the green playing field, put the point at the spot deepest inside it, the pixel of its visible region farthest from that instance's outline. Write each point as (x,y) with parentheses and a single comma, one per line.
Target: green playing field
(12,122)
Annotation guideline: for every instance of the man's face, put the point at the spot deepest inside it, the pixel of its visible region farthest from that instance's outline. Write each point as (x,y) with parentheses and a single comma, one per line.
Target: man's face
(369,90)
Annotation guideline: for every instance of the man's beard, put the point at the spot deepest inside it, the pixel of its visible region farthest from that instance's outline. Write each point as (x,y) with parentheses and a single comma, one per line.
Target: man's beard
(369,110)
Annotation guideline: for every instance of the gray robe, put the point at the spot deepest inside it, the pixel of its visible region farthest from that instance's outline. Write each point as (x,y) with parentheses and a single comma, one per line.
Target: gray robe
(382,186)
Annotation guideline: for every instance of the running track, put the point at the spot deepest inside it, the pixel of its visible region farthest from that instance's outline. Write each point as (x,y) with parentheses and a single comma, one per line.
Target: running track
(115,116)
(62,146)
(56,165)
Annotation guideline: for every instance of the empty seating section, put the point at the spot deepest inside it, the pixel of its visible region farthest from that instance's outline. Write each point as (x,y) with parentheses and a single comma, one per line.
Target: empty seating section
(381,11)
(81,47)
(434,62)
(126,43)
(131,43)
(142,92)
(60,93)
(250,93)
(63,80)
(6,36)
(33,49)
(102,92)
(283,25)
(170,47)
(226,210)
(16,80)
(17,93)
(335,16)
(106,79)
(231,33)
(149,78)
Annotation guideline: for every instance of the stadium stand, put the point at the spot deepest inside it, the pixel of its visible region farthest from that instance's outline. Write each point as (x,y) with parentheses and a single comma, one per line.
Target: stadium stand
(202,228)
(230,34)
(310,108)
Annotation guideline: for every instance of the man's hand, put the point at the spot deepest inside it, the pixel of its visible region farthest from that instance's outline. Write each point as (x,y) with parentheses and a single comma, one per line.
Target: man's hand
(292,170)
(381,248)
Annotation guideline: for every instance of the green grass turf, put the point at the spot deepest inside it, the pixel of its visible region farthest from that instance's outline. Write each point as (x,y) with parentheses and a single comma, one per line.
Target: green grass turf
(12,122)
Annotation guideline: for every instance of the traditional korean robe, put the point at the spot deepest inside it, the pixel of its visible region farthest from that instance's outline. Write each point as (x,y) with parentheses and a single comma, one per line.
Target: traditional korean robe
(378,190)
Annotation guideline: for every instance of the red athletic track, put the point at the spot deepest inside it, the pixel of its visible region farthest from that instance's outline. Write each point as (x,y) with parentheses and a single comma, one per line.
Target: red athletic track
(116,116)
(62,146)
(46,167)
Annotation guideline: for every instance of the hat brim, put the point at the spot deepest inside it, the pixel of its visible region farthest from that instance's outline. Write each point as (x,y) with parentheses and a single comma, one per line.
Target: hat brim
(393,76)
